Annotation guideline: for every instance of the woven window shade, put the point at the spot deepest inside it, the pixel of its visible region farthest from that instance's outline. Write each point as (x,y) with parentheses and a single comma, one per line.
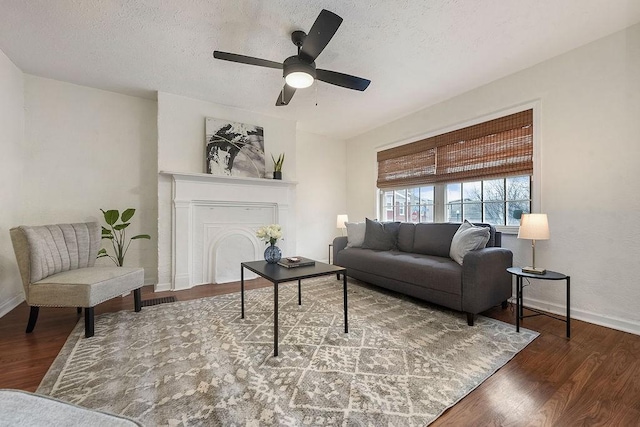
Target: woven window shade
(498,147)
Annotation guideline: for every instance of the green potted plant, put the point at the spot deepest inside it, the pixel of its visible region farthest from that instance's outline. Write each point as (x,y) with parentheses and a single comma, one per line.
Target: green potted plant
(116,232)
(277,166)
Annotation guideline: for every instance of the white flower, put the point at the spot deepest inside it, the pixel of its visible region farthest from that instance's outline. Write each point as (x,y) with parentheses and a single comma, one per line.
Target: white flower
(270,233)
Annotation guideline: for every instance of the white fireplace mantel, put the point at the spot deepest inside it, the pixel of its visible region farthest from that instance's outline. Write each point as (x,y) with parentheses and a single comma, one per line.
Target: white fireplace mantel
(205,177)
(214,222)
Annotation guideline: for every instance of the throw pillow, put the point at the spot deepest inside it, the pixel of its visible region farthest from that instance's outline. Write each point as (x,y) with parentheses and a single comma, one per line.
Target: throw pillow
(381,236)
(355,234)
(468,238)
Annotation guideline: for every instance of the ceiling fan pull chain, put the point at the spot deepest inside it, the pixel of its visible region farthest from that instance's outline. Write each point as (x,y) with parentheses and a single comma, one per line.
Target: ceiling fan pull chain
(316,87)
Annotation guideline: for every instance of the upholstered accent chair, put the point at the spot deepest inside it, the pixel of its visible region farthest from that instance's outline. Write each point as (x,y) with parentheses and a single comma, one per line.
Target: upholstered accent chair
(56,263)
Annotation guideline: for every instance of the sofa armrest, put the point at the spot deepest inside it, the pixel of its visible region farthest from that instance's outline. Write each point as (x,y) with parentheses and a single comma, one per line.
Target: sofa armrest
(485,280)
(339,243)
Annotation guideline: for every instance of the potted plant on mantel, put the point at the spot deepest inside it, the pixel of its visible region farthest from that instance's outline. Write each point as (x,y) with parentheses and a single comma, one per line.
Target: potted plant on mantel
(277,166)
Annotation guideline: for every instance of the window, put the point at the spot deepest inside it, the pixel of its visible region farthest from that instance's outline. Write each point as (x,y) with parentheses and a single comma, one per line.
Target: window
(408,204)
(482,173)
(498,201)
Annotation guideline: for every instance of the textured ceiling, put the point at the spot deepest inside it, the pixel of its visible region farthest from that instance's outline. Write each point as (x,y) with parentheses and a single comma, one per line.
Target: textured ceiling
(415,52)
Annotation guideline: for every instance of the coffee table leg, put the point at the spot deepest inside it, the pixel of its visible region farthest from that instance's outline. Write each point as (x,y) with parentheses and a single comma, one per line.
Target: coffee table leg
(275,319)
(346,320)
(241,291)
(299,293)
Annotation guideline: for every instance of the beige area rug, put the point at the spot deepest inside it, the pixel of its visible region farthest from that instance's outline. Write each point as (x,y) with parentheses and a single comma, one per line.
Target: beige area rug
(196,362)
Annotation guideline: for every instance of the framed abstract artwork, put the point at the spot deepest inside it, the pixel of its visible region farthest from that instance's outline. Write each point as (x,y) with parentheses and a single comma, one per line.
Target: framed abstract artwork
(234,149)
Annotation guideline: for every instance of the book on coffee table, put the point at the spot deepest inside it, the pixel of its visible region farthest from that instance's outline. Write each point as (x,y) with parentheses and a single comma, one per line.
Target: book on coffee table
(296,261)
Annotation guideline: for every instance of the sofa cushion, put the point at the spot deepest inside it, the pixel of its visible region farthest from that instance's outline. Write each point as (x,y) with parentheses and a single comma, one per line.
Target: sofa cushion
(492,234)
(405,236)
(434,238)
(355,234)
(382,236)
(427,271)
(468,238)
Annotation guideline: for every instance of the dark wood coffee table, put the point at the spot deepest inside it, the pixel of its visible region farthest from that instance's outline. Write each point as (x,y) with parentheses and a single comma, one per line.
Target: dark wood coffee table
(277,274)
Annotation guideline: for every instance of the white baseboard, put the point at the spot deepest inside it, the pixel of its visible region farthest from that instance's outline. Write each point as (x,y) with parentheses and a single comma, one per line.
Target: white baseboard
(182,282)
(10,304)
(161,287)
(587,316)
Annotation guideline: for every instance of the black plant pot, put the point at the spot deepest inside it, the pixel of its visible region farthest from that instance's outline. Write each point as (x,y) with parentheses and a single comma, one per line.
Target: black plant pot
(277,175)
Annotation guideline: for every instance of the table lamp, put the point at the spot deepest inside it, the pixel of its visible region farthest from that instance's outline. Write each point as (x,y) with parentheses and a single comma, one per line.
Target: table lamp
(340,222)
(534,227)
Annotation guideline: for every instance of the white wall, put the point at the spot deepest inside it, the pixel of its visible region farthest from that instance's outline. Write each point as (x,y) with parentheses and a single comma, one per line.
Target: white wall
(89,149)
(589,114)
(321,195)
(11,190)
(181,148)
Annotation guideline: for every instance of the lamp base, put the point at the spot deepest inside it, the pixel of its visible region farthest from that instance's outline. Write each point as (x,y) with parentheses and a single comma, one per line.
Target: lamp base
(533,270)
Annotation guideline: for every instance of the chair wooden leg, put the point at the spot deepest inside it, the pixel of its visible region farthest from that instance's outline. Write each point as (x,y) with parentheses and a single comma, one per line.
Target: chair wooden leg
(88,322)
(33,317)
(137,300)
(470,319)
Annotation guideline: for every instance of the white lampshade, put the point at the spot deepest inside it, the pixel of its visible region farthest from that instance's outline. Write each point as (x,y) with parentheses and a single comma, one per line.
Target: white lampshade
(340,222)
(534,227)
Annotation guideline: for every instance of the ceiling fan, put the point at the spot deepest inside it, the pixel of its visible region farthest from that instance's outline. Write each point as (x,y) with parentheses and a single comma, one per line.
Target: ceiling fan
(299,71)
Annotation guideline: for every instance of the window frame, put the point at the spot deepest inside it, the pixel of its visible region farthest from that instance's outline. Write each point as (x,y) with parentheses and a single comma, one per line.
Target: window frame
(384,208)
(482,202)
(440,209)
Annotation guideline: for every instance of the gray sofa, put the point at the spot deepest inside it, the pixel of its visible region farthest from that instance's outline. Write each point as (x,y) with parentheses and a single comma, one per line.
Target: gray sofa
(420,267)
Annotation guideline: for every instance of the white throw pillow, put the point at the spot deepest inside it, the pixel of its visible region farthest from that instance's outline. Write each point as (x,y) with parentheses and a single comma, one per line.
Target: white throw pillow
(468,238)
(355,234)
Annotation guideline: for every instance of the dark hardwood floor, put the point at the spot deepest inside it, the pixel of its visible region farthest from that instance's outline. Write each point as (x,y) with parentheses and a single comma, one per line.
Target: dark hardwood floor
(592,379)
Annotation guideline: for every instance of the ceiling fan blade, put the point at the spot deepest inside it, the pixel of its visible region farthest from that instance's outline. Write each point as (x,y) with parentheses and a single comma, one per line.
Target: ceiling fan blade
(321,32)
(234,57)
(285,96)
(341,79)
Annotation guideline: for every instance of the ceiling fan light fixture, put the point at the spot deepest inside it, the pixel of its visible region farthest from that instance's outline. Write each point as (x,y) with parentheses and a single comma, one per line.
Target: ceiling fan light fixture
(299,79)
(297,73)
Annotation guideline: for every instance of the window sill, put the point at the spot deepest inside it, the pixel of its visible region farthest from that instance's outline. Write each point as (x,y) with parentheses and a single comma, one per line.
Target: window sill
(508,229)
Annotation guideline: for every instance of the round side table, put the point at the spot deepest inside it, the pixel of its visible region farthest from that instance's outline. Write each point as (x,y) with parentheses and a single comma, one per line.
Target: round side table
(548,275)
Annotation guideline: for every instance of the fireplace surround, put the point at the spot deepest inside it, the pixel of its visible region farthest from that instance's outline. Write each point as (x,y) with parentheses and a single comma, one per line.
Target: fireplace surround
(214,220)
